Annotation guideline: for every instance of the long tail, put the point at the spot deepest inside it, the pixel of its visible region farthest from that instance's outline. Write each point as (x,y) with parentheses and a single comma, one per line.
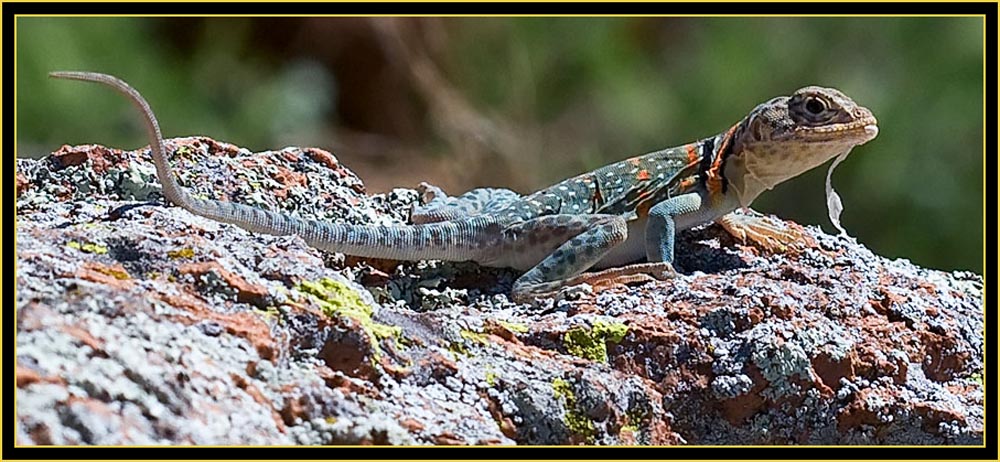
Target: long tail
(433,241)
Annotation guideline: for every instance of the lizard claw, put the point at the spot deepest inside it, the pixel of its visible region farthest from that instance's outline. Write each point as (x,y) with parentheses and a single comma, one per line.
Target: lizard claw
(573,288)
(574,292)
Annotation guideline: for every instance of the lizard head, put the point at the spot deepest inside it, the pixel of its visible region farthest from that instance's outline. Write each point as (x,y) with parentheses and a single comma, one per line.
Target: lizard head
(788,135)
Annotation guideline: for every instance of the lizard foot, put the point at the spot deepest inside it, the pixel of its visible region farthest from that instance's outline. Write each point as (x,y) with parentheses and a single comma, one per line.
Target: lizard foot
(592,282)
(625,275)
(770,234)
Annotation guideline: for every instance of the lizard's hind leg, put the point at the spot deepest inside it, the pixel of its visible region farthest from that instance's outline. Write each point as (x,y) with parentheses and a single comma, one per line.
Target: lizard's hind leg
(579,241)
(438,206)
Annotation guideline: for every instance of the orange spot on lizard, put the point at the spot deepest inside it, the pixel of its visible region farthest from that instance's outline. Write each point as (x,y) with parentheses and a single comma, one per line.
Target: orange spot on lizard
(714,173)
(642,208)
(643,175)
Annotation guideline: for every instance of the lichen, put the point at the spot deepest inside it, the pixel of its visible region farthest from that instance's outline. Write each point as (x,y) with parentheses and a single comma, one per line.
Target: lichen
(456,349)
(183,151)
(186,252)
(88,247)
(592,343)
(473,336)
(514,327)
(576,421)
(783,353)
(470,338)
(778,362)
(95,248)
(116,273)
(731,386)
(272,313)
(338,299)
(137,181)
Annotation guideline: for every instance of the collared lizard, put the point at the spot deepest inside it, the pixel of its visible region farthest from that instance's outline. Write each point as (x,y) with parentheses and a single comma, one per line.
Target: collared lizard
(612,216)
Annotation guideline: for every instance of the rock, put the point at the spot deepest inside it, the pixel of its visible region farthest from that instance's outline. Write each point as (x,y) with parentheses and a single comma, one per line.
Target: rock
(139,323)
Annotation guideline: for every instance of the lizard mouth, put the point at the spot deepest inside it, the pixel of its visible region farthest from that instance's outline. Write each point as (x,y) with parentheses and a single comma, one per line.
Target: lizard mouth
(862,131)
(871,130)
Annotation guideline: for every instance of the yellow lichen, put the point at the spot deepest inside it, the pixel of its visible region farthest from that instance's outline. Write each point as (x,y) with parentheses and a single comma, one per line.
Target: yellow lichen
(514,327)
(338,299)
(88,247)
(576,421)
(474,336)
(182,151)
(457,349)
(186,252)
(116,273)
(592,343)
(271,313)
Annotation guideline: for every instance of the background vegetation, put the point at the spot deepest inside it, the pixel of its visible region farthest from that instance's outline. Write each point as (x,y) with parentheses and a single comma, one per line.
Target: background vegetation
(522,102)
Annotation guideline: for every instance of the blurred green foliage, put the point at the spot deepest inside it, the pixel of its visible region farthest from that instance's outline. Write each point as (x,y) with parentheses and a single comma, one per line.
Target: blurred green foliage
(584,91)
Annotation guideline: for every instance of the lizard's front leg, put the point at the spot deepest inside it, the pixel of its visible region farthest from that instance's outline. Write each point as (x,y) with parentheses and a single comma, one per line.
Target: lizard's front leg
(660,235)
(661,228)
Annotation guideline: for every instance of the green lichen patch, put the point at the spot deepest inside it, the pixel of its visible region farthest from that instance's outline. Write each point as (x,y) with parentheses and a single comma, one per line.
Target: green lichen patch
(474,336)
(634,420)
(88,247)
(592,343)
(95,248)
(784,355)
(137,181)
(183,151)
(272,313)
(514,327)
(469,339)
(457,348)
(114,272)
(576,421)
(338,299)
(185,253)
(491,376)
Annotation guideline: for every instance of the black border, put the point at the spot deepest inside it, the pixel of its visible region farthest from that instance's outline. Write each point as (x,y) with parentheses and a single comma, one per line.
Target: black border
(9,10)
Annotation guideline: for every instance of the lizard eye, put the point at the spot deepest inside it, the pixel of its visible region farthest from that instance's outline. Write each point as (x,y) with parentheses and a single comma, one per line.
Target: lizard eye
(815,106)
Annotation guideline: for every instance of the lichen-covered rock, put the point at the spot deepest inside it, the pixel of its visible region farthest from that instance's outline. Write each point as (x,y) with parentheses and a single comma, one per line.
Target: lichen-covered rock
(139,323)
